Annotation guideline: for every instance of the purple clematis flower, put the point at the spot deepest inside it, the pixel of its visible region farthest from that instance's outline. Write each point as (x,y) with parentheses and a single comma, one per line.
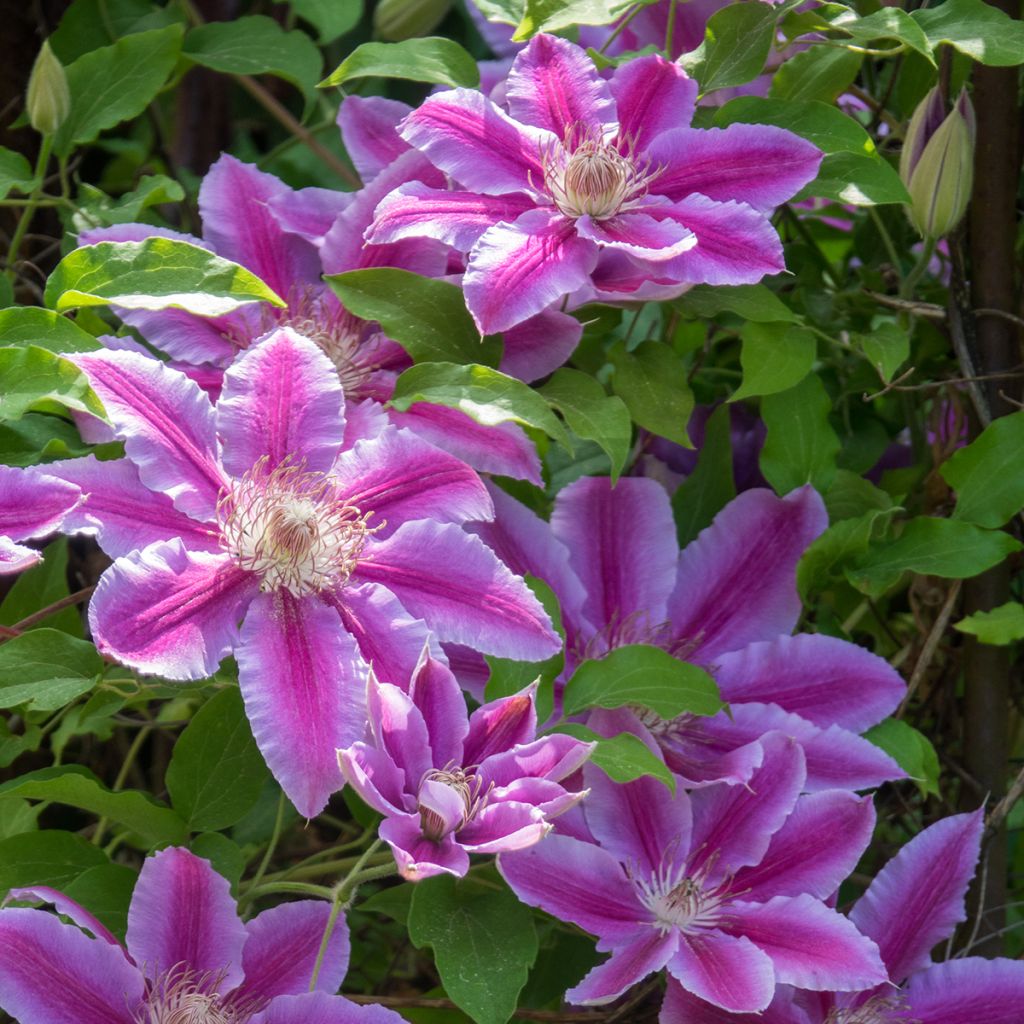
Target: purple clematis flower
(727,602)
(723,886)
(592,188)
(188,957)
(332,547)
(449,786)
(915,902)
(32,505)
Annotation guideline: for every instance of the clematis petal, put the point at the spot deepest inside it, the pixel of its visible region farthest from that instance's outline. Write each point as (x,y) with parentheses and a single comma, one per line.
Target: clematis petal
(182,913)
(737,581)
(66,906)
(369,128)
(578,882)
(461,590)
(631,961)
(622,546)
(823,679)
(477,143)
(500,725)
(652,95)
(196,339)
(639,235)
(553,757)
(757,164)
(52,973)
(400,478)
(376,778)
(33,502)
(553,84)
(438,697)
(540,345)
(968,991)
(517,270)
(303,682)
(811,946)
(16,557)
(281,400)
(400,731)
(504,827)
(282,947)
(817,847)
(322,1008)
(170,611)
(309,212)
(167,424)
(917,899)
(122,513)
(728,971)
(234,202)
(682,1007)
(418,857)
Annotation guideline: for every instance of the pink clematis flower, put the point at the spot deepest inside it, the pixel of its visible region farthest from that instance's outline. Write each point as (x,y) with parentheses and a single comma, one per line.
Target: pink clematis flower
(728,602)
(914,903)
(593,188)
(188,957)
(448,786)
(32,505)
(724,886)
(332,547)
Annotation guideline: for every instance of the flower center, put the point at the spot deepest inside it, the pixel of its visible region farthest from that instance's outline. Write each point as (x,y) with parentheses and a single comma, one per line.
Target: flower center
(685,901)
(467,784)
(290,528)
(184,997)
(878,1010)
(342,338)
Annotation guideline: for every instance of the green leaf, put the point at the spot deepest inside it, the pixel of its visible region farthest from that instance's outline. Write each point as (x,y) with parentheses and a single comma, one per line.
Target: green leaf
(91,24)
(553,15)
(484,943)
(19,817)
(622,758)
(15,173)
(37,438)
(77,786)
(428,318)
(591,414)
(801,446)
(982,31)
(749,301)
(651,380)
(988,475)
(857,180)
(226,856)
(216,773)
(330,18)
(46,669)
(935,547)
(887,23)
(105,890)
(887,346)
(737,41)
(51,857)
(510,12)
(484,394)
(774,357)
(1001,626)
(711,486)
(41,586)
(850,495)
(33,325)
(31,379)
(911,750)
(819,73)
(158,273)
(644,675)
(152,190)
(420,60)
(257,45)
(116,83)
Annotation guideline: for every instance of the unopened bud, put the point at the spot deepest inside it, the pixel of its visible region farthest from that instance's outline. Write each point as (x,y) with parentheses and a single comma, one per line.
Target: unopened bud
(937,164)
(395,20)
(48,99)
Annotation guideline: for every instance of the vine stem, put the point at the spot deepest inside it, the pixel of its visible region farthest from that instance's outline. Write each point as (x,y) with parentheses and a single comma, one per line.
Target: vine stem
(282,802)
(129,759)
(51,609)
(911,280)
(45,148)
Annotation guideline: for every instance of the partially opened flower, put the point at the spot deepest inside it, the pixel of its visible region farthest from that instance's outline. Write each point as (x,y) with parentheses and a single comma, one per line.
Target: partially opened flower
(332,548)
(593,188)
(729,602)
(915,902)
(188,958)
(448,786)
(32,505)
(723,886)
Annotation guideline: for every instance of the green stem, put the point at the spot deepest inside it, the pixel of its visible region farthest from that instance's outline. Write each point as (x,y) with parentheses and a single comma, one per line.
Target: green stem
(326,868)
(621,27)
(45,148)
(122,775)
(911,280)
(282,803)
(670,29)
(292,888)
(890,246)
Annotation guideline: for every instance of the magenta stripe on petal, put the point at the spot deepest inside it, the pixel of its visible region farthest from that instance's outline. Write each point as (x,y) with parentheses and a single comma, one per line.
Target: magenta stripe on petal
(369,128)
(321,1008)
(652,95)
(630,962)
(32,502)
(728,971)
(968,991)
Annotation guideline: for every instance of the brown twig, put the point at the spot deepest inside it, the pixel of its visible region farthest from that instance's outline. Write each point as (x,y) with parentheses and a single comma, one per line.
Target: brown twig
(931,644)
(1001,811)
(419,1002)
(51,609)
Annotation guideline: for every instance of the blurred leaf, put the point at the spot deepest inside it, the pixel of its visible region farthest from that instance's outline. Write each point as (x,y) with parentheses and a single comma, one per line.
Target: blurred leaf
(911,750)
(46,669)
(31,379)
(226,856)
(49,857)
(1001,626)
(33,325)
(711,485)
(651,380)
(330,18)
(774,357)
(749,301)
(622,758)
(978,29)
(91,24)
(433,59)
(15,173)
(801,446)
(95,207)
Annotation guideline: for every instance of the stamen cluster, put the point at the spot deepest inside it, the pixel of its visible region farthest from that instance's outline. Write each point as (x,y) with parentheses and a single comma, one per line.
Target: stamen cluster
(183,996)
(684,901)
(467,784)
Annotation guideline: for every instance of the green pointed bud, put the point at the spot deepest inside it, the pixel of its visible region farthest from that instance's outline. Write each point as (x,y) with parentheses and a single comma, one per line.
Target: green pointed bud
(937,164)
(395,20)
(48,99)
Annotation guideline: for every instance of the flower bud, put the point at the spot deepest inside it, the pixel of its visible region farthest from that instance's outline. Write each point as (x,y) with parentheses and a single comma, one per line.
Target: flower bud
(937,164)
(48,99)
(395,20)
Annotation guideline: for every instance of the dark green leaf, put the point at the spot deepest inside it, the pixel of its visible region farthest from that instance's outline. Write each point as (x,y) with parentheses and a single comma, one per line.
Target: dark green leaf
(91,24)
(330,18)
(46,669)
(978,29)
(711,486)
(623,758)
(737,41)
(857,180)
(421,60)
(749,301)
(819,73)
(801,446)
(37,438)
(51,858)
(226,856)
(15,173)
(887,346)
(106,890)
(651,380)
(774,357)
(911,750)
(40,587)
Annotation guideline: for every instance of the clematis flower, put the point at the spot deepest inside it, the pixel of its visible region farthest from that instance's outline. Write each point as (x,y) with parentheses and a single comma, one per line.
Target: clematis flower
(723,886)
(338,551)
(915,902)
(32,505)
(728,602)
(448,786)
(188,957)
(593,188)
